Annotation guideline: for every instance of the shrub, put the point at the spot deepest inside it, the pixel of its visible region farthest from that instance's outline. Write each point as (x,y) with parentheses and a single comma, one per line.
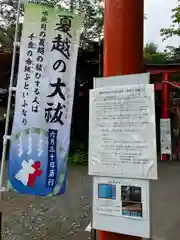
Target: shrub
(78,155)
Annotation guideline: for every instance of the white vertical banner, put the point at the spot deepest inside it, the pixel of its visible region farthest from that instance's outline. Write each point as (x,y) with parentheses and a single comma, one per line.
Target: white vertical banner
(165,130)
(44,99)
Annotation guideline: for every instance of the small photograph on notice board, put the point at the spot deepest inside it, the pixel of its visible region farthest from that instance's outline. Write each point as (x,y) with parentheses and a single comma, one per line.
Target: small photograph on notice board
(107,191)
(131,198)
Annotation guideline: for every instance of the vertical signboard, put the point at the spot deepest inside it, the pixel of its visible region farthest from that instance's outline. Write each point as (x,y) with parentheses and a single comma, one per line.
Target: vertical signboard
(122,148)
(165,127)
(44,100)
(121,205)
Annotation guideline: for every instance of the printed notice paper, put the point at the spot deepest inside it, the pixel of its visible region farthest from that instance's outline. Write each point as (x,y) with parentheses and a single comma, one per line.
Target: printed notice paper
(165,136)
(122,137)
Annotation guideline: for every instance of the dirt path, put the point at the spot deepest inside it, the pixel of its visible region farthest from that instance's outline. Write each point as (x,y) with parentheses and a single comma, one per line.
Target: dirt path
(57,218)
(65,217)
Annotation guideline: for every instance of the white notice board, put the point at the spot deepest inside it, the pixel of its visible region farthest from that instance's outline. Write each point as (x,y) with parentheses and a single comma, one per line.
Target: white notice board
(165,127)
(123,80)
(122,206)
(122,137)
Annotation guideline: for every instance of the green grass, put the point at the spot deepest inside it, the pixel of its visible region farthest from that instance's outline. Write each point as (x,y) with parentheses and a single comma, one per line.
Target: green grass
(79,156)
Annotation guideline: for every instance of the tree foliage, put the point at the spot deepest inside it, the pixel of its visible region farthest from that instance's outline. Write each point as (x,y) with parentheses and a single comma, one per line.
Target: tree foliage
(8,13)
(92,27)
(152,55)
(173,30)
(150,48)
(93,18)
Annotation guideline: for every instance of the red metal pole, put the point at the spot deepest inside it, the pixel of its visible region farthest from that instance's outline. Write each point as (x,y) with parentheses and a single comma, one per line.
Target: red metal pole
(123,53)
(102,235)
(166,106)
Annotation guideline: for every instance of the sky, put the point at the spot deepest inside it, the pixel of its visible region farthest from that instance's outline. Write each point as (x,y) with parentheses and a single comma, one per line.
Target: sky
(158,14)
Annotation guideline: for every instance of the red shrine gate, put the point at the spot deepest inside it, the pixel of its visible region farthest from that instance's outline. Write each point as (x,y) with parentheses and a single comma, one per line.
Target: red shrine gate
(170,90)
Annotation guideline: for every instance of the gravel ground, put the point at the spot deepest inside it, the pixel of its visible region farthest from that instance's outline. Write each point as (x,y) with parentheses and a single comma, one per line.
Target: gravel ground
(66,217)
(63,217)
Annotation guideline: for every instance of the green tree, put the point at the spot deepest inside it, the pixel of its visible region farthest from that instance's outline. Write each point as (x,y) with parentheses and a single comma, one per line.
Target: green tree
(152,55)
(92,27)
(150,48)
(173,53)
(8,13)
(173,30)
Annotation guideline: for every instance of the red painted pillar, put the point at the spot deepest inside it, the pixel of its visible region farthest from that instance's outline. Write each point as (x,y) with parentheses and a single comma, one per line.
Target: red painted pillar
(166,106)
(123,37)
(123,52)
